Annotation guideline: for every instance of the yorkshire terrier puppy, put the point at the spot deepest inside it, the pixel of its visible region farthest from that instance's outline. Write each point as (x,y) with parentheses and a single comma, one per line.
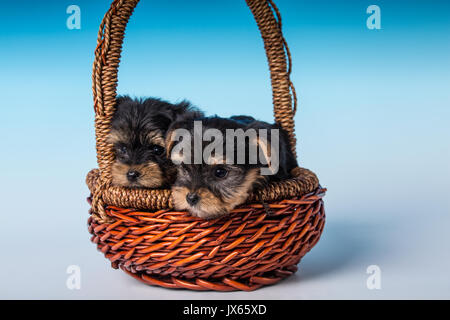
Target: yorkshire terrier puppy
(212,186)
(137,134)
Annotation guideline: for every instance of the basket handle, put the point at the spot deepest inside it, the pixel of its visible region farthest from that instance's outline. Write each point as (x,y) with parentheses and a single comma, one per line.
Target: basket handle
(107,59)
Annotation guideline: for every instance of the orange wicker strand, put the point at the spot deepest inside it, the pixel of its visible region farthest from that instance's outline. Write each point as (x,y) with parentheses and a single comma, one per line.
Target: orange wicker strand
(255,255)
(258,244)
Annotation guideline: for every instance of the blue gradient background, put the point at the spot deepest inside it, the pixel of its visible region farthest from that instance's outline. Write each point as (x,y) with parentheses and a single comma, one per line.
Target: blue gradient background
(373,123)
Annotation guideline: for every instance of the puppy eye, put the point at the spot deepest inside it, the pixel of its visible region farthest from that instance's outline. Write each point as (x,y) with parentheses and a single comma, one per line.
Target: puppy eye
(158,150)
(220,172)
(122,150)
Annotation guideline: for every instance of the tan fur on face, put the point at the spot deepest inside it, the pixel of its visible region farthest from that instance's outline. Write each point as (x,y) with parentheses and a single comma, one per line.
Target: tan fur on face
(156,137)
(213,205)
(169,142)
(179,197)
(265,147)
(210,206)
(241,193)
(150,175)
(116,137)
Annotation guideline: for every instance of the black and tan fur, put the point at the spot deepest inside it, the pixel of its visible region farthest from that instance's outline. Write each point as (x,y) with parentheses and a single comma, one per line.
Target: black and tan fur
(137,134)
(202,189)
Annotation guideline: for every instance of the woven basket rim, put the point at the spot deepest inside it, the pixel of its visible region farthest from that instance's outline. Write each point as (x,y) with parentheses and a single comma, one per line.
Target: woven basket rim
(303,182)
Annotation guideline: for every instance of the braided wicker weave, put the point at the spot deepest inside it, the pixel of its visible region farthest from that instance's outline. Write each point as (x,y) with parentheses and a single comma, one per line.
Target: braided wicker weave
(259,243)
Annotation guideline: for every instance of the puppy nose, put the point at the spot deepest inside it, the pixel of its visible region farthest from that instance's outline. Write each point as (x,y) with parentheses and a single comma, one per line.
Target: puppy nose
(192,198)
(133,175)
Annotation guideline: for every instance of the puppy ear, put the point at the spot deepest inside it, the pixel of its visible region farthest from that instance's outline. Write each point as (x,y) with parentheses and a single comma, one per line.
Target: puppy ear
(264,149)
(169,142)
(268,157)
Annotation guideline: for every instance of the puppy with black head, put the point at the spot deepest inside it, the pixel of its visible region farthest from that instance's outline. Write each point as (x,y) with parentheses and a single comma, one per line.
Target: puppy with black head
(137,134)
(216,171)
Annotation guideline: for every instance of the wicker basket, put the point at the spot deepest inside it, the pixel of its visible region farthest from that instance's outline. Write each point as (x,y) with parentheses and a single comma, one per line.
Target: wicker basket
(259,243)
